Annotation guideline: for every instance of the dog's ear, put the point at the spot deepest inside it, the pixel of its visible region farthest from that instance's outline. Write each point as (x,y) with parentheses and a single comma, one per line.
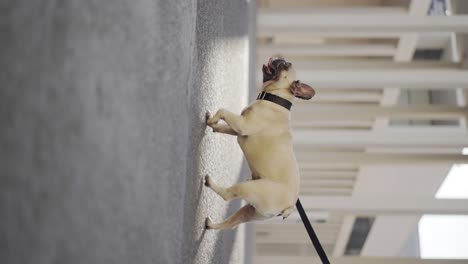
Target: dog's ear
(302,90)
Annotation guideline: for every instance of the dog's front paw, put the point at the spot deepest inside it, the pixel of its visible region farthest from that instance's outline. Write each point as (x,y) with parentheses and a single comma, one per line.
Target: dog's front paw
(208,223)
(212,120)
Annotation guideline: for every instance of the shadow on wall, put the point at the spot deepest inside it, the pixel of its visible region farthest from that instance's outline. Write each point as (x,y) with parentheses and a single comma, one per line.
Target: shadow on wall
(102,139)
(220,78)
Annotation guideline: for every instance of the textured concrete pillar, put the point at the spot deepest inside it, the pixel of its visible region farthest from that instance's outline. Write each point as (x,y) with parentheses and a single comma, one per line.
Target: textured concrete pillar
(102,142)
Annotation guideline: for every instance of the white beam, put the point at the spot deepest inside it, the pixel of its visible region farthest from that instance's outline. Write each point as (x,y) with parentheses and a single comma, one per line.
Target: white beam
(326,183)
(390,97)
(282,236)
(343,34)
(387,138)
(379,158)
(329,175)
(454,50)
(419,7)
(294,218)
(380,77)
(355,10)
(331,167)
(321,191)
(265,226)
(288,238)
(305,122)
(406,47)
(305,21)
(385,205)
(366,64)
(315,112)
(420,150)
(408,42)
(325,95)
(353,260)
(343,235)
(327,50)
(384,240)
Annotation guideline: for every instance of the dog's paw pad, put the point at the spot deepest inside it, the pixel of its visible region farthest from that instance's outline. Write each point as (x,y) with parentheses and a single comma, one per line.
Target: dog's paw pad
(208,223)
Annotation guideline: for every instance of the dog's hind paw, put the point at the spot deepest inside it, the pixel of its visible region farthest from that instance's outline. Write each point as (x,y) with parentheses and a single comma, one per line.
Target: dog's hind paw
(207,116)
(208,223)
(207,180)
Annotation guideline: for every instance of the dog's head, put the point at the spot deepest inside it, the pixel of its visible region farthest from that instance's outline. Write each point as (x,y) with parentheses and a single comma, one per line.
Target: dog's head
(283,76)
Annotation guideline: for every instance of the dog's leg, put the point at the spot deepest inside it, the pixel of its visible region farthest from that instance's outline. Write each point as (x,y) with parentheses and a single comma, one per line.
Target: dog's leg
(219,128)
(238,123)
(211,120)
(223,128)
(245,214)
(259,192)
(243,190)
(227,194)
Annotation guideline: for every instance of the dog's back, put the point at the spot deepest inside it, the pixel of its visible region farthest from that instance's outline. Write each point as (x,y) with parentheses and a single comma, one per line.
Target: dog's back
(269,151)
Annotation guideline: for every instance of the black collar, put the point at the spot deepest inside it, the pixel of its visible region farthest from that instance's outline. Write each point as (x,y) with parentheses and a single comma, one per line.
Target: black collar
(275,99)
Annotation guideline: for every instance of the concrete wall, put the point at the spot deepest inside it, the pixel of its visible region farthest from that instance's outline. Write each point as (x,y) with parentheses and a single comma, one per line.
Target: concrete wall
(102,141)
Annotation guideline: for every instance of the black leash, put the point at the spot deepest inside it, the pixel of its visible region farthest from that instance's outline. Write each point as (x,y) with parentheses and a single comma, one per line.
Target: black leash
(312,235)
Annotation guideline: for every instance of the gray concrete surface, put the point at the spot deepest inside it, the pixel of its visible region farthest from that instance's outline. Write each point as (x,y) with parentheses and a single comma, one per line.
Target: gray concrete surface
(102,141)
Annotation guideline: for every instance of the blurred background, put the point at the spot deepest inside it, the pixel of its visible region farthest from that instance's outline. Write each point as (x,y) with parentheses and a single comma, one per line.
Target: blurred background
(382,145)
(103,145)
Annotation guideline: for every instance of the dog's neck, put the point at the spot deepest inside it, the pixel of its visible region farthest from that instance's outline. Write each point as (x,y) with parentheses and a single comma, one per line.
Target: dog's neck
(275,99)
(269,87)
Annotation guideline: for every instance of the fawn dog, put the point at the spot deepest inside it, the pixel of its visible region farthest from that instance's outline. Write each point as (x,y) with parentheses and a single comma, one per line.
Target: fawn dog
(264,135)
